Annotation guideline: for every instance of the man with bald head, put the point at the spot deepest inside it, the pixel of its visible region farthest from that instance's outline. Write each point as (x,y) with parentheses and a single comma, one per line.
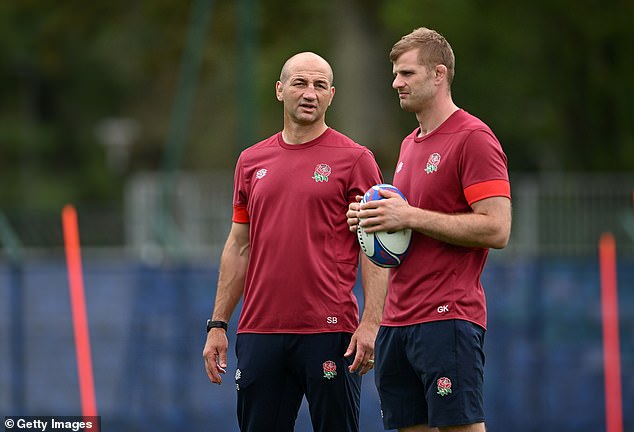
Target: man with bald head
(291,258)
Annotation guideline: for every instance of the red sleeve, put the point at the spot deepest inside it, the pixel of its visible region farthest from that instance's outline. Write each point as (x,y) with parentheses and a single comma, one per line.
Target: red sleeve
(484,167)
(240,195)
(365,174)
(487,189)
(240,215)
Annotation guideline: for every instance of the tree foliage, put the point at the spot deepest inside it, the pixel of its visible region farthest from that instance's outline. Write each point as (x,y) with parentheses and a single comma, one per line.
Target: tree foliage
(553,79)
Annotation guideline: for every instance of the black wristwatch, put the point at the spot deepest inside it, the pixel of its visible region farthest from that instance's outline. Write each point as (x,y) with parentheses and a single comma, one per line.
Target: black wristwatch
(216,324)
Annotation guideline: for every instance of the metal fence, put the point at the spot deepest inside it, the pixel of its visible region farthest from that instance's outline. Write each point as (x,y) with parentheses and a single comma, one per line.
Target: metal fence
(554,214)
(565,214)
(188,215)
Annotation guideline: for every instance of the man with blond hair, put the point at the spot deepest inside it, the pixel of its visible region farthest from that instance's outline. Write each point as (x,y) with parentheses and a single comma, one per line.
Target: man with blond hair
(430,347)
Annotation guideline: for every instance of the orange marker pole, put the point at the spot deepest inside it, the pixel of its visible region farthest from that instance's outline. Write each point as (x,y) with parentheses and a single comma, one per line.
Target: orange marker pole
(611,349)
(78,306)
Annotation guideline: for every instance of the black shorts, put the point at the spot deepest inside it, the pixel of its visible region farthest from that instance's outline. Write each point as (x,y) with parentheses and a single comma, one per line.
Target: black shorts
(275,371)
(430,373)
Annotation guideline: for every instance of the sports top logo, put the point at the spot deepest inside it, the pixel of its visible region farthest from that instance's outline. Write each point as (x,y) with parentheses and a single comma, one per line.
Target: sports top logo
(432,163)
(399,167)
(261,173)
(322,172)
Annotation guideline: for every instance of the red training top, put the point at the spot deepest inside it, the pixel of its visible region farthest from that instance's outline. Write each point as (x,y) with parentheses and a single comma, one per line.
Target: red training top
(457,164)
(303,258)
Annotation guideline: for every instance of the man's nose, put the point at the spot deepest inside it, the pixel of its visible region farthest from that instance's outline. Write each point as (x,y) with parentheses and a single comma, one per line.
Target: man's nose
(310,92)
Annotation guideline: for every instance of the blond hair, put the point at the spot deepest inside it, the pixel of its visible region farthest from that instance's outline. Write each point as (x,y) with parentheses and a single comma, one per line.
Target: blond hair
(433,49)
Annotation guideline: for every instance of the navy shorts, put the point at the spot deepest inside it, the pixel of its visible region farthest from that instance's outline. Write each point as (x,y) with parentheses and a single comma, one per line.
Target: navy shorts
(430,373)
(275,371)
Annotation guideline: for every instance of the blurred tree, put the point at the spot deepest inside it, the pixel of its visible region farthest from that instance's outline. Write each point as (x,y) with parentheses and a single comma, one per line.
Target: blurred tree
(56,84)
(590,54)
(551,78)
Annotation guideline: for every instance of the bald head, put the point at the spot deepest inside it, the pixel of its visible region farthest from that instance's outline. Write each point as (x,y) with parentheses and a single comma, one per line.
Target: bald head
(306,61)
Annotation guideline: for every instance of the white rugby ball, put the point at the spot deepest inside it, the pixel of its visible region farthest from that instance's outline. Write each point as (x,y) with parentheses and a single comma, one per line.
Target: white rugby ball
(384,248)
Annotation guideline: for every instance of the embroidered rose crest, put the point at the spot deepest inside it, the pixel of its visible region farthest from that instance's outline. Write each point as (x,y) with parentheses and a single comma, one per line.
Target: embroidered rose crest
(432,163)
(330,369)
(322,171)
(444,386)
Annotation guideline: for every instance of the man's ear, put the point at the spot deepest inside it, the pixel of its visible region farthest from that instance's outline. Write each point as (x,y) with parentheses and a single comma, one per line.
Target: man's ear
(441,72)
(278,90)
(332,94)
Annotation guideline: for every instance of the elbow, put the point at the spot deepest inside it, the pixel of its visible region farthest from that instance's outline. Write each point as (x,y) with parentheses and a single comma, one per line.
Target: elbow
(501,233)
(501,239)
(500,244)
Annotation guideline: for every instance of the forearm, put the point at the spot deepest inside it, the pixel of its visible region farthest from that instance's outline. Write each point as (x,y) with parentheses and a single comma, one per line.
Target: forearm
(374,280)
(488,227)
(459,229)
(233,267)
(228,296)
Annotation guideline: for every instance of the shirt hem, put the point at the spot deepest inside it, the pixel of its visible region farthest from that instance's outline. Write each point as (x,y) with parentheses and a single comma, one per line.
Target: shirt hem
(295,331)
(428,320)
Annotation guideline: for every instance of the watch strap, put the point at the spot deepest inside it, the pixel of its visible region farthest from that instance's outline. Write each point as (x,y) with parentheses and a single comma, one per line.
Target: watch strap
(216,324)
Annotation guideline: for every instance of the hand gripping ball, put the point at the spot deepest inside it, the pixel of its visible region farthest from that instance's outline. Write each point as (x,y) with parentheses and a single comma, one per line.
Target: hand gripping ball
(384,248)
